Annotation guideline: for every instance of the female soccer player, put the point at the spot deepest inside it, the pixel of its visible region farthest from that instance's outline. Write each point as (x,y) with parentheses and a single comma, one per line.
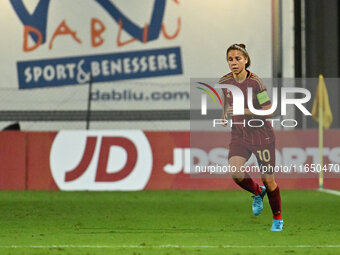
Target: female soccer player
(247,139)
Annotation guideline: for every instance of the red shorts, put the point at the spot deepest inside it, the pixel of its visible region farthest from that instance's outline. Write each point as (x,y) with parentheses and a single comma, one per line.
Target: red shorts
(265,154)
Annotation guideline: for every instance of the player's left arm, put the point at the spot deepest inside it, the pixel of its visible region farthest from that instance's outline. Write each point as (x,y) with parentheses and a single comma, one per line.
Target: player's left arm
(249,113)
(263,99)
(263,107)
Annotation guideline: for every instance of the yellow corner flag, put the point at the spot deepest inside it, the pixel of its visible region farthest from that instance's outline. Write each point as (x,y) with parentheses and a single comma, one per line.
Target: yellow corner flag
(321,103)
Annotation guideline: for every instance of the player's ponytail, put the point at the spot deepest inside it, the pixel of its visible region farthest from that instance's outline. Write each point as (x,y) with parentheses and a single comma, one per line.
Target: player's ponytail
(241,47)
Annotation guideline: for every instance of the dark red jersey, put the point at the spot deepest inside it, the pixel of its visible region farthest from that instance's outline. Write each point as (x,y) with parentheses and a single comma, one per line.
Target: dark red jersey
(246,133)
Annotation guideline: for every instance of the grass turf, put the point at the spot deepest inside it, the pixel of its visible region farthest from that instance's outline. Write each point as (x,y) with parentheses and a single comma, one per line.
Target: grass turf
(146,221)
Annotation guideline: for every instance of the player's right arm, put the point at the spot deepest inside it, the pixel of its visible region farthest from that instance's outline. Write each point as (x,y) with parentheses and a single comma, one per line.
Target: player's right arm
(224,108)
(224,97)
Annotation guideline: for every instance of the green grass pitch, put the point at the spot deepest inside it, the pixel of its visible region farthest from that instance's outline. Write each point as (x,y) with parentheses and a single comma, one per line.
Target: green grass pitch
(165,222)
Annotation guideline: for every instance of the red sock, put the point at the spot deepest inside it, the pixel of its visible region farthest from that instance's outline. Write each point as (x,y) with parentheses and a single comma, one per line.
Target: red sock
(274,198)
(248,184)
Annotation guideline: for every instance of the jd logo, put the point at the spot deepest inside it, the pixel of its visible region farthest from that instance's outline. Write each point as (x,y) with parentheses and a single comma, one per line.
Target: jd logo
(101,160)
(106,143)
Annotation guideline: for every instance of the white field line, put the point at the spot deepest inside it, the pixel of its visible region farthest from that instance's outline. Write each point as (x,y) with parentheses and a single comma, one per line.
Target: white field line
(330,191)
(166,246)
